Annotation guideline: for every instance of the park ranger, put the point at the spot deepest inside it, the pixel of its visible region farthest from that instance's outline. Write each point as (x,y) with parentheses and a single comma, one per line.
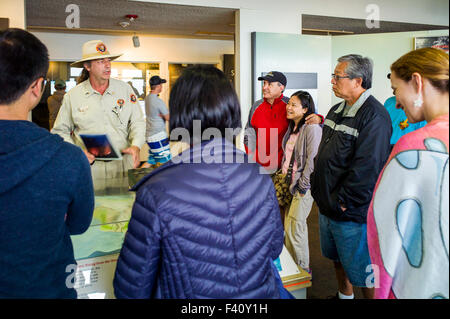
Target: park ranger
(102,105)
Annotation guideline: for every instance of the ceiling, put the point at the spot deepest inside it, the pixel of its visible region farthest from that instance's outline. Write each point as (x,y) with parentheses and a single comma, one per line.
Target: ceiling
(323,25)
(104,17)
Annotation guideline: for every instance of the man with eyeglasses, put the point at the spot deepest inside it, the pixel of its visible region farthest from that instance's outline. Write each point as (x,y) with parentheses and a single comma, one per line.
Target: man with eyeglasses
(353,149)
(102,105)
(46,191)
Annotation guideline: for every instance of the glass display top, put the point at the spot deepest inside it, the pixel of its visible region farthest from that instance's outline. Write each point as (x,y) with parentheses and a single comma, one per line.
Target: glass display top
(112,213)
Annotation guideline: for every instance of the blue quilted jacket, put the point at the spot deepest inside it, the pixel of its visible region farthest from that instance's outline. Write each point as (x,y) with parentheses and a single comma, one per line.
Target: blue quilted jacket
(202,230)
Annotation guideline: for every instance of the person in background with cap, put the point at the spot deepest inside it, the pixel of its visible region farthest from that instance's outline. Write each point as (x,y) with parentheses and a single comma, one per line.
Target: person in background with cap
(267,114)
(157,114)
(54,101)
(102,105)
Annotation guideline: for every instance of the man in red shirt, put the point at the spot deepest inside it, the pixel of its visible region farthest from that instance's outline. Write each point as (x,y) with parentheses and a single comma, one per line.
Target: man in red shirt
(267,123)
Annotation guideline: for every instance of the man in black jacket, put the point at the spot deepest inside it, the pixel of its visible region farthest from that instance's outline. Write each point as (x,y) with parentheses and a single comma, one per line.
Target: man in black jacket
(352,152)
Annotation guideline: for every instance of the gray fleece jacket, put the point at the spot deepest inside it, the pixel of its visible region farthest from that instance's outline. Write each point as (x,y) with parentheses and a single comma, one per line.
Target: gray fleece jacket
(305,150)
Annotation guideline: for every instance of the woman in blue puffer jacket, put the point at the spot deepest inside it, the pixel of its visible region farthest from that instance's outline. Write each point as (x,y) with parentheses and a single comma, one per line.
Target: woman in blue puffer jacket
(206,224)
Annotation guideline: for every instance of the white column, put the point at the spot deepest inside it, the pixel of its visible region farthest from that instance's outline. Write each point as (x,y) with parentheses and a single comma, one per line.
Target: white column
(248,21)
(15,11)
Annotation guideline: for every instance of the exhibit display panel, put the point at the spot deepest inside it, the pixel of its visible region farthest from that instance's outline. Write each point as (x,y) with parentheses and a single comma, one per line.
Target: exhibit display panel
(97,250)
(304,59)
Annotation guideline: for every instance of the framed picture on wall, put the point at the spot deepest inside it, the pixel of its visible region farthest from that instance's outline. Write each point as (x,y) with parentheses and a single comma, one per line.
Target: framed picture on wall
(432,42)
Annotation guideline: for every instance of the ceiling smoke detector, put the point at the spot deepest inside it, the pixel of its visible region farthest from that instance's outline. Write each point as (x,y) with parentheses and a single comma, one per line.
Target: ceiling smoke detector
(131,18)
(124,24)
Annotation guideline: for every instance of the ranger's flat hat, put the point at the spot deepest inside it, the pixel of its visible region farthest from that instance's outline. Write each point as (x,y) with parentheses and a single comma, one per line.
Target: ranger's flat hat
(93,50)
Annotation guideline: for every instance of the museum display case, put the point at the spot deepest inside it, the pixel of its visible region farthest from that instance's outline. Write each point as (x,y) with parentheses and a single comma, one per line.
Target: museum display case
(97,250)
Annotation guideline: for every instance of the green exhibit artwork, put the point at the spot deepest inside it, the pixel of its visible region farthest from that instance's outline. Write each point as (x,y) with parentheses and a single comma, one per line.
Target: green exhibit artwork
(109,225)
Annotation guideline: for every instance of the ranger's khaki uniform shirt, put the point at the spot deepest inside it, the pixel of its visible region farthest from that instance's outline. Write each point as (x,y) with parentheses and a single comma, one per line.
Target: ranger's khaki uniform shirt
(116,113)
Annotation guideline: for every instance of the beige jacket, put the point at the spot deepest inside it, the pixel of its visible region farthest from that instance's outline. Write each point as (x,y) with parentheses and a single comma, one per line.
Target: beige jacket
(305,151)
(116,113)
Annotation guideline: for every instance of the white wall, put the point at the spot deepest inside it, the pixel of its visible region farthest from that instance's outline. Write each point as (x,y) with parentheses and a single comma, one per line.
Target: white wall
(283,16)
(302,53)
(296,53)
(248,21)
(15,11)
(383,49)
(67,47)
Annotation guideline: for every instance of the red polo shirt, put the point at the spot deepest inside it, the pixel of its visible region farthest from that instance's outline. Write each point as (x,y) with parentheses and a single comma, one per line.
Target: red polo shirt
(265,118)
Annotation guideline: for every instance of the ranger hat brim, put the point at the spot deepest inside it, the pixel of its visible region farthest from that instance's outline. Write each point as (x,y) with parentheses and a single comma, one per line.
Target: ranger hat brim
(94,50)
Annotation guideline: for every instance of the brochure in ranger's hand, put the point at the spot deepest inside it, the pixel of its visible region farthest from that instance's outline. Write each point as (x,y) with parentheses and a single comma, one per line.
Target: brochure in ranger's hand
(100,146)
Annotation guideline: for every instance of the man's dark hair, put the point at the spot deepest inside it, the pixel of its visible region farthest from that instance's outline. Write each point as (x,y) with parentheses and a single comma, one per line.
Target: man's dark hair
(84,75)
(60,87)
(204,93)
(23,59)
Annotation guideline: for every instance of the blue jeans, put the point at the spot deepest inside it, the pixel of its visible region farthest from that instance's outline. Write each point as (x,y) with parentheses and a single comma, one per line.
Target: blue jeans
(346,242)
